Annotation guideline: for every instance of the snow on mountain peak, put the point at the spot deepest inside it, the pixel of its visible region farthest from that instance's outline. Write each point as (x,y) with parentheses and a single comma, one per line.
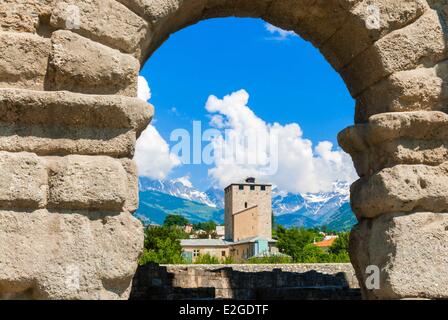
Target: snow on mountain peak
(184,181)
(179,187)
(313,205)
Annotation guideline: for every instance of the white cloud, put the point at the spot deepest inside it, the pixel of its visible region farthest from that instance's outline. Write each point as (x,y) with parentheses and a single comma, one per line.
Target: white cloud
(152,154)
(144,92)
(278,33)
(301,168)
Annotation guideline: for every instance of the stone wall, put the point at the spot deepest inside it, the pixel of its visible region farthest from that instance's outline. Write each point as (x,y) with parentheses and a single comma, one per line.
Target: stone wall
(246,281)
(69,120)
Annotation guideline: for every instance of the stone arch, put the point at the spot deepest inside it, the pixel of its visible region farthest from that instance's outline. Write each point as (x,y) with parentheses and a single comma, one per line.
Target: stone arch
(68,71)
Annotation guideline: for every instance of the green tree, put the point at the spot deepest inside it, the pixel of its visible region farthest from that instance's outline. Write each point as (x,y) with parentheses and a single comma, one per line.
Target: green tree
(339,250)
(298,243)
(207,235)
(206,259)
(313,254)
(162,245)
(228,260)
(209,226)
(175,220)
(293,241)
(273,259)
(340,245)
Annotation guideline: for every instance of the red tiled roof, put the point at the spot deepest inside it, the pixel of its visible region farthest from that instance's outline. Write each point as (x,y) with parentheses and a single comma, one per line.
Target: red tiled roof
(325,243)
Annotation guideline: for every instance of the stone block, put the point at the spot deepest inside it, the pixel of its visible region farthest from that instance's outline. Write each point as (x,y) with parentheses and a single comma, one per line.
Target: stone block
(87,183)
(24,60)
(57,141)
(389,139)
(73,110)
(23,16)
(132,184)
(410,250)
(105,21)
(311,19)
(55,255)
(402,188)
(411,90)
(354,36)
(78,64)
(408,48)
(23,181)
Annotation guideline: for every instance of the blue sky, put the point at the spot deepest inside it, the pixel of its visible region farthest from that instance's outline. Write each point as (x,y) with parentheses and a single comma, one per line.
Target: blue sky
(287,79)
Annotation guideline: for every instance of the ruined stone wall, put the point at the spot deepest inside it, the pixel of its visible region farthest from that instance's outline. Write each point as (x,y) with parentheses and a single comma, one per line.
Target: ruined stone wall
(69,120)
(245,281)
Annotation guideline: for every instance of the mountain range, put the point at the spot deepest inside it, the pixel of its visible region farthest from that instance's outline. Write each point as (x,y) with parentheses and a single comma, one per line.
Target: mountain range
(158,198)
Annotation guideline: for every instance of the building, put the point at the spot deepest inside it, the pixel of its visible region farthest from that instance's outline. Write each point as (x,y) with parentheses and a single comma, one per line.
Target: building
(188,228)
(220,232)
(248,225)
(326,243)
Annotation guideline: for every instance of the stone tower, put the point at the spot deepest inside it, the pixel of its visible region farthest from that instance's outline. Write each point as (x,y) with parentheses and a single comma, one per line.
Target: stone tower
(252,202)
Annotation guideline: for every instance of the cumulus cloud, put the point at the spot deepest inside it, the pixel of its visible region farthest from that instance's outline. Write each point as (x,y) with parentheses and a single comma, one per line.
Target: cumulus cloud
(282,155)
(152,153)
(278,33)
(144,92)
(153,156)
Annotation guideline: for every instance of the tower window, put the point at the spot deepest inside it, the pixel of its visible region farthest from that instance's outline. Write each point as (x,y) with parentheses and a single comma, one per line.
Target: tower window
(252,187)
(241,187)
(245,205)
(263,188)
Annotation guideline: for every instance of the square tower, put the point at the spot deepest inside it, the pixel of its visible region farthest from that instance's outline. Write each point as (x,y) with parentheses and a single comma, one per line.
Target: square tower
(248,210)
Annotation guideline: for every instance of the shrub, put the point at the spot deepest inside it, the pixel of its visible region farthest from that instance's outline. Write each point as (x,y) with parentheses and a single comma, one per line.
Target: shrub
(206,259)
(162,245)
(272,259)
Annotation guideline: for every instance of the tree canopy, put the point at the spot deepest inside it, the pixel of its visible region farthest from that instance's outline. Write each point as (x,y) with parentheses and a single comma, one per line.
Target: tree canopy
(175,220)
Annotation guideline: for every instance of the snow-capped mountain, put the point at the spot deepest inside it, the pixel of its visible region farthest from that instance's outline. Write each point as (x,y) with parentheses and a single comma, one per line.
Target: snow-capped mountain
(314,209)
(180,188)
(301,210)
(315,204)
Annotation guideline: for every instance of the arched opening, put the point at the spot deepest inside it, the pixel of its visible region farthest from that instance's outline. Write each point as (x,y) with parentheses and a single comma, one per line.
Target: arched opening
(199,78)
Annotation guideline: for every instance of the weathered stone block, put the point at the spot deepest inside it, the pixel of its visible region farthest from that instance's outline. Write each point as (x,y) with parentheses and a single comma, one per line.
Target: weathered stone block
(23,16)
(104,21)
(57,141)
(312,20)
(402,188)
(412,90)
(24,60)
(66,109)
(78,64)
(355,36)
(389,139)
(23,181)
(132,184)
(421,42)
(47,255)
(90,183)
(411,251)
